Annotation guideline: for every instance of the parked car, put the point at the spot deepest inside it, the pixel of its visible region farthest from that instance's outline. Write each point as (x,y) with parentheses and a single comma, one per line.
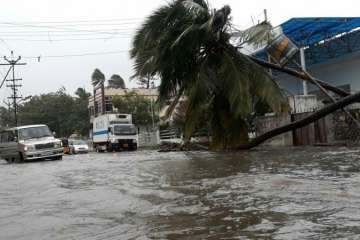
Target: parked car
(28,143)
(78,146)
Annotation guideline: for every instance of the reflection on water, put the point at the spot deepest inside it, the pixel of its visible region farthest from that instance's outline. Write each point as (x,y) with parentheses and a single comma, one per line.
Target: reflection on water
(298,193)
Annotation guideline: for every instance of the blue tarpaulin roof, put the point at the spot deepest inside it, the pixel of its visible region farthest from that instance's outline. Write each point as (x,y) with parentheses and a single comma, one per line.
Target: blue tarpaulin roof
(307,31)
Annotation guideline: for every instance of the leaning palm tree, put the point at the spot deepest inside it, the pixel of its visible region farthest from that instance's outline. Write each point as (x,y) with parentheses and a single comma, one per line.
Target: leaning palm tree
(116,82)
(188,46)
(97,77)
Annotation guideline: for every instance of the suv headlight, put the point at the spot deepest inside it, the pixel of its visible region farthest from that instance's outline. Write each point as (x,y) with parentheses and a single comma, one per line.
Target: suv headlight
(58,144)
(29,148)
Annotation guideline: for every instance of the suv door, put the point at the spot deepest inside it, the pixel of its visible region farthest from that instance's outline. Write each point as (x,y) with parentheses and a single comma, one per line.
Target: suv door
(8,145)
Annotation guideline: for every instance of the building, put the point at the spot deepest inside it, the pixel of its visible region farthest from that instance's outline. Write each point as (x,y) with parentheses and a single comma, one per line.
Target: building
(329,49)
(101,101)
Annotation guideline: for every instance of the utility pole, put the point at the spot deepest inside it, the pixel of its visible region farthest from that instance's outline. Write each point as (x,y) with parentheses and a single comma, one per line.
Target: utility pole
(13,83)
(268,38)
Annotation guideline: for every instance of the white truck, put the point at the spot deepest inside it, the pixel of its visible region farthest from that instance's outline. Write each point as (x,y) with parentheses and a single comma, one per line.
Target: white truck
(114,132)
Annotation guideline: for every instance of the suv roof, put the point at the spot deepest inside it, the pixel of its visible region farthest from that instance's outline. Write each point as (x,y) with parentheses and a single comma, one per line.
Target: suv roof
(27,126)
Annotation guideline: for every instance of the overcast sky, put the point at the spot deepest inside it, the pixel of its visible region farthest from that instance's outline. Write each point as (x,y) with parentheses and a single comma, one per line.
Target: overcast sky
(60,20)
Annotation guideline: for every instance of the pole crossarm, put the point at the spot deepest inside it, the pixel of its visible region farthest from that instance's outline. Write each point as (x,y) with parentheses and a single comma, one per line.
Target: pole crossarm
(9,64)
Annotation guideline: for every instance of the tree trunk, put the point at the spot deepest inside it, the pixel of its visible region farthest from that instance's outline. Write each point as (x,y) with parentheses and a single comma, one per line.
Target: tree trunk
(303,122)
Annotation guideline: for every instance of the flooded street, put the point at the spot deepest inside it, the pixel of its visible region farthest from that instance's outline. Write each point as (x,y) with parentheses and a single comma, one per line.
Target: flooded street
(299,193)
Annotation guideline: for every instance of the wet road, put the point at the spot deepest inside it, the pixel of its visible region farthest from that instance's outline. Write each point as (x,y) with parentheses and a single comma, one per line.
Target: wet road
(301,193)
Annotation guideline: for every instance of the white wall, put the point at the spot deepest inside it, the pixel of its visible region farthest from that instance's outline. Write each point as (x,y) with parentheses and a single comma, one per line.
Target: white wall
(339,71)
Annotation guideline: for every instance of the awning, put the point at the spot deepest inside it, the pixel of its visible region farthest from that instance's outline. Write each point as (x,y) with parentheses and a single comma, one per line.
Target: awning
(307,31)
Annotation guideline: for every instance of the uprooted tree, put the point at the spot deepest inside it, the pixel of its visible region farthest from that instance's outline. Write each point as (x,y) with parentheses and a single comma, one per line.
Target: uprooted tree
(188,46)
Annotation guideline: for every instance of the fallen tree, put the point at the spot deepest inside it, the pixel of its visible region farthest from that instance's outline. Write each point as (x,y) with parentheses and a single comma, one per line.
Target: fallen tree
(303,122)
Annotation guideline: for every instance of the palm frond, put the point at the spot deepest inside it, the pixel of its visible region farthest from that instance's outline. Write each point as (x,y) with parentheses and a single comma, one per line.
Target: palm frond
(194,28)
(235,77)
(195,8)
(199,100)
(256,35)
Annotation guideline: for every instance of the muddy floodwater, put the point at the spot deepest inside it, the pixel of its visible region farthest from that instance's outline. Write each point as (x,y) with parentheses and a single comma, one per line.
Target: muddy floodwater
(296,193)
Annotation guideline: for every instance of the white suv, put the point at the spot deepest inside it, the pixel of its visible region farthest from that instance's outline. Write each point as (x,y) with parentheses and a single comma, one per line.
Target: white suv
(27,143)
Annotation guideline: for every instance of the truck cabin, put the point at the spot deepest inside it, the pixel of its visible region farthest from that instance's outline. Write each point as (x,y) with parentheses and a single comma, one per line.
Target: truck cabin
(123,129)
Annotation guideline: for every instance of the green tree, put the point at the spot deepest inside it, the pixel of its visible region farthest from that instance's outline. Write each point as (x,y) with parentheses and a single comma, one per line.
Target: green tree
(116,81)
(188,46)
(142,109)
(82,94)
(97,77)
(6,117)
(63,113)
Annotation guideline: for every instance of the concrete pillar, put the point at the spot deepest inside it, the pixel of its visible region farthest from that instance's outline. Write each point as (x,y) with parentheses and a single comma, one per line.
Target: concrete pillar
(303,66)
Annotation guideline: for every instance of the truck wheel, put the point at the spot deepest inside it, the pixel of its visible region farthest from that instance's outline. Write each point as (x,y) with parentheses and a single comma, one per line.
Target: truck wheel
(109,148)
(133,147)
(98,149)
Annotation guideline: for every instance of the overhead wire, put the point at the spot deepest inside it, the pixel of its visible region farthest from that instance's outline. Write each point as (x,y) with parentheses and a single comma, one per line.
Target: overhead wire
(78,55)
(42,33)
(55,31)
(58,28)
(64,39)
(65,31)
(94,20)
(14,25)
(72,30)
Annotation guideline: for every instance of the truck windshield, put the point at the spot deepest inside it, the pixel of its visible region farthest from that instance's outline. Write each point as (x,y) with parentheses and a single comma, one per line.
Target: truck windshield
(125,130)
(34,132)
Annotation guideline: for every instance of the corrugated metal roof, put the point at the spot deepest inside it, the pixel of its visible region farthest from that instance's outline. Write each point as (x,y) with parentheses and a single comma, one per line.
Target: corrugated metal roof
(307,31)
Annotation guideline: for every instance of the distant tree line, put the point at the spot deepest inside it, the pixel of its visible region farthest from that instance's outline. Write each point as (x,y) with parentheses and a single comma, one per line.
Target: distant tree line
(63,113)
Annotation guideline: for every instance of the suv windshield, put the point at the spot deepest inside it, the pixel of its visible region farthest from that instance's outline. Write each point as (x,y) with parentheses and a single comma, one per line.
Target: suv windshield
(125,130)
(34,132)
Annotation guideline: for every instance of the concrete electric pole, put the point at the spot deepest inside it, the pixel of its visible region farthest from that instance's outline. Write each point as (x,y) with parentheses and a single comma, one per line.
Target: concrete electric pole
(13,82)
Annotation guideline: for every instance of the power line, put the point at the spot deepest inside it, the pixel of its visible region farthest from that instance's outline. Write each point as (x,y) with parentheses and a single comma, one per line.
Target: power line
(56,33)
(64,39)
(79,55)
(111,30)
(71,21)
(58,28)
(17,25)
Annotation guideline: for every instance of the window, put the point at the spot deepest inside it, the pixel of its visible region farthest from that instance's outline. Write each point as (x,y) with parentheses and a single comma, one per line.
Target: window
(34,132)
(92,111)
(125,130)
(108,104)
